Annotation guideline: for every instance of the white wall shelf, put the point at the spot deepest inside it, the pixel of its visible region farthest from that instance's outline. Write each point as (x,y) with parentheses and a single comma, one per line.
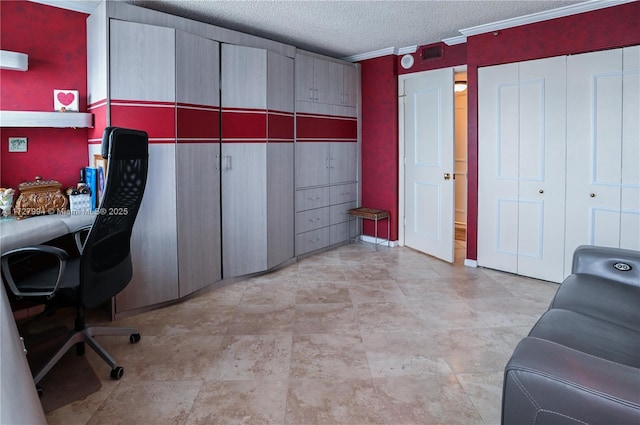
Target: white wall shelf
(46,119)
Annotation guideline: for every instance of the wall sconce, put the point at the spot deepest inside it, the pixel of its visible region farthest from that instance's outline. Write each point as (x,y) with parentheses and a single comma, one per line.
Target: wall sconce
(13,60)
(460,86)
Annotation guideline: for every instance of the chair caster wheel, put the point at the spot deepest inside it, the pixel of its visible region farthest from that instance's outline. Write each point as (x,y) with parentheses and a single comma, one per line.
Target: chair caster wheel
(40,391)
(133,338)
(117,372)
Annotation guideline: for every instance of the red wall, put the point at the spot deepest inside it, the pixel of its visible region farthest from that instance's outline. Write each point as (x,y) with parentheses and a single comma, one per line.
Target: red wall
(56,42)
(602,29)
(380,140)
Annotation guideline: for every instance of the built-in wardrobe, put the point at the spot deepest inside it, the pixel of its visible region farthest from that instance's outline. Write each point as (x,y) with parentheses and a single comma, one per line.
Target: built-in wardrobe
(220,110)
(558,149)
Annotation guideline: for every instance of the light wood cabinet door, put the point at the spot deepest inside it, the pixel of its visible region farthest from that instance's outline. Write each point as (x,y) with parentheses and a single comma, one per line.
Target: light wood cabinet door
(343,164)
(304,78)
(312,164)
(350,86)
(197,162)
(142,62)
(197,70)
(244,77)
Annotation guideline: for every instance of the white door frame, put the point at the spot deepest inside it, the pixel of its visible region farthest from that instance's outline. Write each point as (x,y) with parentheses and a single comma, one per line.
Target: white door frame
(401,142)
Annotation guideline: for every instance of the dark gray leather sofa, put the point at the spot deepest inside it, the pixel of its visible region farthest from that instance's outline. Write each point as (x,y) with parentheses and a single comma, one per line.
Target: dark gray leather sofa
(580,364)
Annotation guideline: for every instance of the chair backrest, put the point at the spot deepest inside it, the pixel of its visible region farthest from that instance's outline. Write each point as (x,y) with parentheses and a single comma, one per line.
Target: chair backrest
(105,262)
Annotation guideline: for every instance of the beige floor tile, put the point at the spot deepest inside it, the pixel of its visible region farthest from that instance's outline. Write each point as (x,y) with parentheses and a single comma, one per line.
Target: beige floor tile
(328,356)
(245,357)
(331,402)
(485,391)
(437,400)
(254,402)
(262,319)
(338,318)
(142,402)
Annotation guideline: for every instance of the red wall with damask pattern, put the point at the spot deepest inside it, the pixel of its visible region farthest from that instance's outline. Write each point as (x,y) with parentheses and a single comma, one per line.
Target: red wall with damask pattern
(56,42)
(380,140)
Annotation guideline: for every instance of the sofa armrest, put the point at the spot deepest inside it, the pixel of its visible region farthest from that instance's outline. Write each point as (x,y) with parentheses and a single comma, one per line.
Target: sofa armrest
(548,383)
(621,265)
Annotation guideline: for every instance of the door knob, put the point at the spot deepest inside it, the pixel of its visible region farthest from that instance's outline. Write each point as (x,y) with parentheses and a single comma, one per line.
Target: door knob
(447,176)
(593,195)
(541,191)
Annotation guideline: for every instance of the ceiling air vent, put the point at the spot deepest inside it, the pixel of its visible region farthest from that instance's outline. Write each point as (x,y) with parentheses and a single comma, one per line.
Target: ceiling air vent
(433,52)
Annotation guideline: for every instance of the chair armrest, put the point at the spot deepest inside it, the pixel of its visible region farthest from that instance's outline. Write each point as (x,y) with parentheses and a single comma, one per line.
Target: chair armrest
(60,254)
(79,234)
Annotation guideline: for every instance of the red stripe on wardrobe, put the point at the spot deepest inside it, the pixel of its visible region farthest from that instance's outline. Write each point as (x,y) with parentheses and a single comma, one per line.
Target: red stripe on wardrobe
(244,126)
(280,126)
(195,122)
(157,119)
(326,127)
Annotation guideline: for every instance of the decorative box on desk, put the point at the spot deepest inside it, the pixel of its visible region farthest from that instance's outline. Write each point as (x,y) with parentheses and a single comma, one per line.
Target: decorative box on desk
(40,197)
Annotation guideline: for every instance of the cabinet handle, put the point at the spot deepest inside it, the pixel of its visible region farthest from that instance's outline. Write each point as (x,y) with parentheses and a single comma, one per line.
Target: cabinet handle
(316,95)
(331,162)
(227,162)
(217,162)
(310,93)
(327,161)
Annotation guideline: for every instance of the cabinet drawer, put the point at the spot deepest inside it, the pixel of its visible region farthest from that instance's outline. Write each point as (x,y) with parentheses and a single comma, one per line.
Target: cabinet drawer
(311,241)
(343,193)
(312,219)
(342,232)
(312,198)
(338,213)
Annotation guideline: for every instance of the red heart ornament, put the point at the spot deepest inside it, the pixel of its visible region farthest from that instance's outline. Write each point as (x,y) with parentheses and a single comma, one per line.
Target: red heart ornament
(66,98)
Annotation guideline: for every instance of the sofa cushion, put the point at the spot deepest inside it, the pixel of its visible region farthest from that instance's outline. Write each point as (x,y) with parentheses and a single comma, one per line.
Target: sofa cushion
(595,337)
(600,298)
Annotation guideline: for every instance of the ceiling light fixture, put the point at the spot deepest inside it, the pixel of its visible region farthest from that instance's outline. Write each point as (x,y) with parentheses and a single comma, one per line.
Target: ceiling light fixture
(13,60)
(460,86)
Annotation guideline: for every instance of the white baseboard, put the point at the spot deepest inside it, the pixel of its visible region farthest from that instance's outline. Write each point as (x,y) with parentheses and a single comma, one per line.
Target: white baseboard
(382,242)
(470,263)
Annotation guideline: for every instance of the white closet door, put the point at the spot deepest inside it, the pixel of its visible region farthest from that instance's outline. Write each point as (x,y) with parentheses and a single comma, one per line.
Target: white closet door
(521,164)
(630,202)
(541,181)
(594,149)
(498,153)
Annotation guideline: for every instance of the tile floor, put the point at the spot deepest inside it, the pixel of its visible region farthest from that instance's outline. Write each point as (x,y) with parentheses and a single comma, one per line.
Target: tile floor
(349,336)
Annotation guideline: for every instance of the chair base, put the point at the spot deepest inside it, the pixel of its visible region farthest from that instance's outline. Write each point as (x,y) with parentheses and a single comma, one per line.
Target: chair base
(86,335)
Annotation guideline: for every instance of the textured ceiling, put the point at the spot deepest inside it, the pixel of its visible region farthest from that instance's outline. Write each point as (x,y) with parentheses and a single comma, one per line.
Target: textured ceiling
(346,28)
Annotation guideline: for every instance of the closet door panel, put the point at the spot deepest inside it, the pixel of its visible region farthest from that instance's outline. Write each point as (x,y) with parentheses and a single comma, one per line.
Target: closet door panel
(244,215)
(312,164)
(594,96)
(343,162)
(498,150)
(198,203)
(142,62)
(244,77)
(541,182)
(197,70)
(304,78)
(280,203)
(630,202)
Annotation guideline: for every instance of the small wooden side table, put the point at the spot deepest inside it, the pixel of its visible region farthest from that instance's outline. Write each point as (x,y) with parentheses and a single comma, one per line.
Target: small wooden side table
(375,215)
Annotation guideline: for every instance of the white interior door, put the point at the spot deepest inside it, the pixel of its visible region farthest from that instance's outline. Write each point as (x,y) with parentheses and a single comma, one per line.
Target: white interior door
(429,189)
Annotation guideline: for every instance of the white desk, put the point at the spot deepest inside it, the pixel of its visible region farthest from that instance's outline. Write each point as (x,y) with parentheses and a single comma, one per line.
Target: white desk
(39,229)
(19,402)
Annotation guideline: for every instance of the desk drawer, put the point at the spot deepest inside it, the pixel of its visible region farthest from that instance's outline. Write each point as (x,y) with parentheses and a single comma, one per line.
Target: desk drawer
(312,198)
(338,213)
(312,219)
(311,241)
(343,193)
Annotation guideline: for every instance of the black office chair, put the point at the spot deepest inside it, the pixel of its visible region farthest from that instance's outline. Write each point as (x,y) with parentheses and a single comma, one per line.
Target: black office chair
(104,266)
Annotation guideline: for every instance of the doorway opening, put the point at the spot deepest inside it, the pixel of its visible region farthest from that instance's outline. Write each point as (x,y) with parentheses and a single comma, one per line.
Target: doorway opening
(460,137)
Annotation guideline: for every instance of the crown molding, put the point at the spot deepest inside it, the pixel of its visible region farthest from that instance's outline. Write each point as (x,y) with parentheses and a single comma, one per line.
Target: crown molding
(370,55)
(407,50)
(84,6)
(452,41)
(560,12)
